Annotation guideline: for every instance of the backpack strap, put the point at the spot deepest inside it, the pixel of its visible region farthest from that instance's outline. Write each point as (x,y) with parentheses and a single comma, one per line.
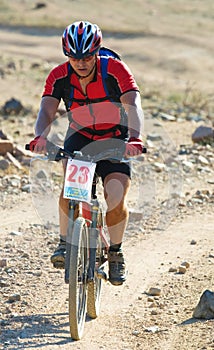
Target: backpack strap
(105,51)
(109,82)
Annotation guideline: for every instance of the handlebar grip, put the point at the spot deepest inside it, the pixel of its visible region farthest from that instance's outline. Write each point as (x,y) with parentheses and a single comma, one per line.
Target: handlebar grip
(144,150)
(27,147)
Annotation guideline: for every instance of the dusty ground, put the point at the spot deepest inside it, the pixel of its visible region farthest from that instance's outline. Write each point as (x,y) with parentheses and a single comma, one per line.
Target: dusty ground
(167,61)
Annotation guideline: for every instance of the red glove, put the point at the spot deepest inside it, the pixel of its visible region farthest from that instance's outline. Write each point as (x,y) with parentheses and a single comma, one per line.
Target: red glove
(38,145)
(134,147)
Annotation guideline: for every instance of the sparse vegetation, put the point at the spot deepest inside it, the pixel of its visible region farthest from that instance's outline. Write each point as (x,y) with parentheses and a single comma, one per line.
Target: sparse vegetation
(168,46)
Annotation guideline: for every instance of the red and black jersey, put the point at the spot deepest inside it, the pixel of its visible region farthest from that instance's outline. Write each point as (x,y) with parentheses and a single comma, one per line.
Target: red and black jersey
(94,114)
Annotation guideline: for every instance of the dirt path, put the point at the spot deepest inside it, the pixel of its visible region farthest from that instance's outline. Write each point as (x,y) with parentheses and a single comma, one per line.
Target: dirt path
(40,318)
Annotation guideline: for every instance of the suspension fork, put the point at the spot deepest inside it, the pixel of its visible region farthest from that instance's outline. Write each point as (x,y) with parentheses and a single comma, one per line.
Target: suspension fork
(73,213)
(93,237)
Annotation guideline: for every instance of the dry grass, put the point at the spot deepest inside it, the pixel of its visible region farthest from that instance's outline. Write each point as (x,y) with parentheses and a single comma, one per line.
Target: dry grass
(166,44)
(137,16)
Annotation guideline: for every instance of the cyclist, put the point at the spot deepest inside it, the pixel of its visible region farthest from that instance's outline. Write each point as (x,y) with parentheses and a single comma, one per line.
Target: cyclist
(81,43)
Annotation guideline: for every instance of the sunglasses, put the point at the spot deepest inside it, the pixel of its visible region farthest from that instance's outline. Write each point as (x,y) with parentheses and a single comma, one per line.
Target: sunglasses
(84,59)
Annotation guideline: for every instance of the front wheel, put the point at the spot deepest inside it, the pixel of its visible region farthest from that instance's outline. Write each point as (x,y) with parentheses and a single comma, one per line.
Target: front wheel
(78,278)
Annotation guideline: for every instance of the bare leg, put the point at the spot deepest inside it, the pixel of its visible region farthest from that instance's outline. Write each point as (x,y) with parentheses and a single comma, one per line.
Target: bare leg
(63,215)
(116,186)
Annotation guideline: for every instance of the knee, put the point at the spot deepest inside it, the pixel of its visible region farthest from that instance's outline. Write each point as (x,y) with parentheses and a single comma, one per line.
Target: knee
(115,195)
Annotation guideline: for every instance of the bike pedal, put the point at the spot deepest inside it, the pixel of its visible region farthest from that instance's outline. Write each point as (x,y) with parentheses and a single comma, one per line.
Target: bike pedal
(101,274)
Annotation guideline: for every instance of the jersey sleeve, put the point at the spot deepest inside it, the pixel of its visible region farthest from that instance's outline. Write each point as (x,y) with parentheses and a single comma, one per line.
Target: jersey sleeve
(121,72)
(54,85)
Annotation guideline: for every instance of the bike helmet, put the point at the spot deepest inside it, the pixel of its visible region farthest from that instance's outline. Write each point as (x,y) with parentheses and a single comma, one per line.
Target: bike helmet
(81,39)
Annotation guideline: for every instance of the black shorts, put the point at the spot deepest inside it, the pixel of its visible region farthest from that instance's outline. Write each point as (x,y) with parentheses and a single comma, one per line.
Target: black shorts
(78,142)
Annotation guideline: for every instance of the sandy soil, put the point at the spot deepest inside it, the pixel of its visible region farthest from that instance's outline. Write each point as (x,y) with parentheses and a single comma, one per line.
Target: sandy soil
(129,319)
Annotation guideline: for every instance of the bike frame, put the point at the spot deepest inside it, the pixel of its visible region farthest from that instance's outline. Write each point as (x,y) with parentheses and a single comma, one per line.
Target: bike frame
(93,215)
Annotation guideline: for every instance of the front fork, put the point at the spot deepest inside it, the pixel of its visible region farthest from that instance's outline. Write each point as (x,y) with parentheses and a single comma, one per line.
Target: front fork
(72,214)
(93,238)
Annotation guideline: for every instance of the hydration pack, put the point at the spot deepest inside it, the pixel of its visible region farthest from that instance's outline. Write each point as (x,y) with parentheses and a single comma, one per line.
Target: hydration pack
(110,84)
(112,94)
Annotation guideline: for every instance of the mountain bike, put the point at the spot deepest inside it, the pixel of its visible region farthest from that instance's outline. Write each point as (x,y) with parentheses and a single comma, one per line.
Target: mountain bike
(87,240)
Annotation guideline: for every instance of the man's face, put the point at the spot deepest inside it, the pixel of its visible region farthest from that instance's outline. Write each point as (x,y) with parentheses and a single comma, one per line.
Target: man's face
(83,66)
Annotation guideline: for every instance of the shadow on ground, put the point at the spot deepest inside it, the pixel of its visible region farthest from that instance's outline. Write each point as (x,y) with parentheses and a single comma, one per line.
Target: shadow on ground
(24,332)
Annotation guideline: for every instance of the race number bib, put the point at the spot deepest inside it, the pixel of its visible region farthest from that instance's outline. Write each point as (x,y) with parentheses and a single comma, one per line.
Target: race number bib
(78,180)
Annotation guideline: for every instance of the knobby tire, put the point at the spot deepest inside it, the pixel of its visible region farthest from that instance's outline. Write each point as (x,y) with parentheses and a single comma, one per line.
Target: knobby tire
(78,278)
(94,287)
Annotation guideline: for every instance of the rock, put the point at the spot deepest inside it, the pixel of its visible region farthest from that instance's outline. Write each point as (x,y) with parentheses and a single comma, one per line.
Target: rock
(150,299)
(152,329)
(4,164)
(167,117)
(14,297)
(203,160)
(173,269)
(42,174)
(182,269)
(187,165)
(154,137)
(135,332)
(3,262)
(159,166)
(154,312)
(12,107)
(3,283)
(193,242)
(135,215)
(16,233)
(152,305)
(5,146)
(40,5)
(14,181)
(205,307)
(26,188)
(185,264)
(202,134)
(154,291)
(211,182)
(194,117)
(3,136)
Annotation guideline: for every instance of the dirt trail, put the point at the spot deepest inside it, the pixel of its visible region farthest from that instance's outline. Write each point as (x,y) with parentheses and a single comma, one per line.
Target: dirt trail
(128,319)
(125,311)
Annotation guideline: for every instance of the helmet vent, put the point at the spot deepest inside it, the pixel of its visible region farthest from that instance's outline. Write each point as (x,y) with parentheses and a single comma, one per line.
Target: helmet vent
(72,29)
(79,39)
(88,29)
(71,42)
(88,41)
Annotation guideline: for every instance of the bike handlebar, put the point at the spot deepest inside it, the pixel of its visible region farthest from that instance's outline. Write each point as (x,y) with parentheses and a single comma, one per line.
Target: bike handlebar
(57,153)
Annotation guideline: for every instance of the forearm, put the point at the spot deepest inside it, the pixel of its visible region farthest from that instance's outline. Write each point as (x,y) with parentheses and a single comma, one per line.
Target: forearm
(43,124)
(135,122)
(132,104)
(46,116)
